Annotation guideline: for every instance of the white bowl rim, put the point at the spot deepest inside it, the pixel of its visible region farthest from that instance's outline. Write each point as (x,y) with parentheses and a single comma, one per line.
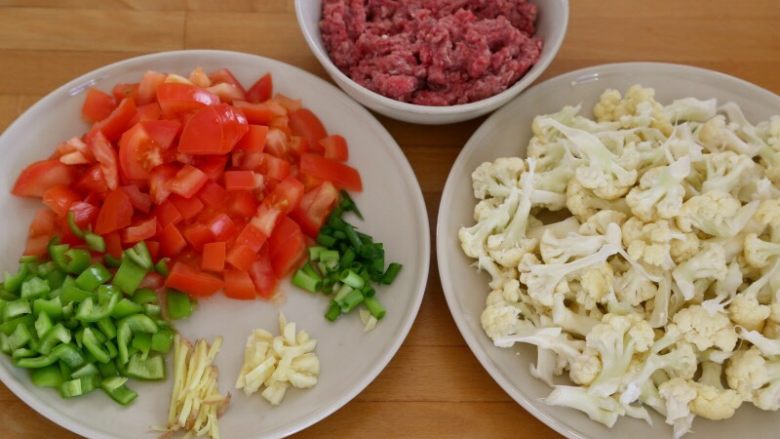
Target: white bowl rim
(65,421)
(583,74)
(492,101)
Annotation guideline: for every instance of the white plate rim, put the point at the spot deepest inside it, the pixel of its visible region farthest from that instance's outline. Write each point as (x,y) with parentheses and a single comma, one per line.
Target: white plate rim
(580,75)
(312,418)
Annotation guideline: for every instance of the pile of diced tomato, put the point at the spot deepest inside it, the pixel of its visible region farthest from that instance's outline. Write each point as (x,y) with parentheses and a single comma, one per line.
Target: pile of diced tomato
(226,182)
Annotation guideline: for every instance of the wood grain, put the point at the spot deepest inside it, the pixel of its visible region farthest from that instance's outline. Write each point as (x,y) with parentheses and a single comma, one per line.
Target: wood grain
(434,387)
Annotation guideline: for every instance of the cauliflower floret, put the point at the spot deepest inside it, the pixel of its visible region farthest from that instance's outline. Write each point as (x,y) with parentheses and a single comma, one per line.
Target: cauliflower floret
(704,330)
(715,213)
(755,378)
(660,192)
(726,171)
(678,393)
(768,215)
(502,319)
(597,223)
(650,243)
(569,320)
(583,203)
(595,285)
(691,109)
(562,249)
(498,178)
(712,400)
(617,339)
(715,135)
(633,287)
(637,109)
(710,263)
(601,409)
(724,289)
(488,220)
(684,246)
(759,253)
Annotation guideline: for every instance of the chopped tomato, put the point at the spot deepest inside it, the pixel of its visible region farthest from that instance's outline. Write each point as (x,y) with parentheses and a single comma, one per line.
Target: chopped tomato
(152,280)
(141,201)
(240,180)
(213,130)
(335,147)
(138,153)
(192,281)
(225,76)
(176,98)
(97,105)
(84,214)
(115,214)
(267,218)
(227,92)
(163,132)
(314,208)
(171,241)
(222,228)
(40,176)
(141,231)
(241,256)
(213,258)
(154,249)
(188,207)
(340,174)
(261,90)
(242,204)
(121,91)
(214,195)
(43,223)
(59,199)
(147,89)
(146,113)
(113,244)
(159,179)
(252,237)
(261,114)
(117,122)
(212,165)
(198,235)
(289,103)
(238,285)
(254,139)
(188,181)
(37,245)
(274,167)
(167,213)
(286,195)
(306,124)
(262,274)
(92,181)
(287,247)
(105,155)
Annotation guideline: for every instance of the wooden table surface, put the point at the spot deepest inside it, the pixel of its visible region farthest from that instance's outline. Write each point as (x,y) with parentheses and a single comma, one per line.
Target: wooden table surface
(434,387)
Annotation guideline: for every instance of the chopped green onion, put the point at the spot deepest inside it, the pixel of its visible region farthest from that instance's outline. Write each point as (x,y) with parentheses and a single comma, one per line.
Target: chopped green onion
(306,281)
(391,273)
(350,301)
(374,307)
(348,204)
(314,252)
(334,311)
(325,240)
(352,279)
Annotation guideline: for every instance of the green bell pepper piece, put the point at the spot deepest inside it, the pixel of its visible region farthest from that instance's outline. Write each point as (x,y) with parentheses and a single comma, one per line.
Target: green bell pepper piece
(144,296)
(89,312)
(85,370)
(162,267)
(111,349)
(50,307)
(22,353)
(128,326)
(68,354)
(16,308)
(95,242)
(107,327)
(35,287)
(162,341)
(116,389)
(107,370)
(142,342)
(151,368)
(57,334)
(72,293)
(20,337)
(92,277)
(139,254)
(56,277)
(111,261)
(43,324)
(79,386)
(9,326)
(179,305)
(13,282)
(49,376)
(129,276)
(124,308)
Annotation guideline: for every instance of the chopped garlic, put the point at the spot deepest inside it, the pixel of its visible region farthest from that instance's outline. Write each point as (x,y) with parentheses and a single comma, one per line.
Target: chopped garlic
(369,321)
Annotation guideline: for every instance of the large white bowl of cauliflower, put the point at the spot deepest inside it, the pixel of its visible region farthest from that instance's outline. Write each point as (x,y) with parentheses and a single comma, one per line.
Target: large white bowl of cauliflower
(609,246)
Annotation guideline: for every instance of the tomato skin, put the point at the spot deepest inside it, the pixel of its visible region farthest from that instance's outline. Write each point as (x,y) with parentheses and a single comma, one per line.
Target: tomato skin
(192,281)
(122,91)
(117,122)
(40,176)
(213,130)
(224,75)
(286,195)
(138,153)
(238,285)
(145,113)
(222,228)
(152,280)
(59,199)
(113,244)
(43,223)
(241,256)
(163,132)
(254,140)
(97,105)
(262,274)
(84,214)
(171,241)
(262,90)
(214,196)
(188,207)
(141,231)
(115,214)
(227,92)
(287,247)
(341,175)
(274,167)
(105,155)
(242,204)
(213,258)
(167,213)
(154,251)
(335,148)
(239,180)
(159,179)
(147,89)
(141,201)
(260,114)
(188,181)
(252,237)
(314,208)
(212,166)
(306,124)
(176,98)
(198,235)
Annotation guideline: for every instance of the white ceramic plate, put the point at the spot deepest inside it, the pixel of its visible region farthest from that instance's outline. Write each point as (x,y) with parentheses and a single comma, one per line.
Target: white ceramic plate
(350,359)
(506,133)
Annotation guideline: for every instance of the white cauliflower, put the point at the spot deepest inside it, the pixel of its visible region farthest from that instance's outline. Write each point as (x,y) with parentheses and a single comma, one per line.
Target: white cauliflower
(715,135)
(759,253)
(705,330)
(660,192)
(712,400)
(745,309)
(497,179)
(651,243)
(583,203)
(755,378)
(562,249)
(715,213)
(726,171)
(691,109)
(597,224)
(678,394)
(710,263)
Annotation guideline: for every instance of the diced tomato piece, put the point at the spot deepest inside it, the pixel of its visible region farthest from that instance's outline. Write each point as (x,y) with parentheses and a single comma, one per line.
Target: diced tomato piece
(188,181)
(154,249)
(122,91)
(105,155)
(176,98)
(240,180)
(274,167)
(238,285)
(252,237)
(117,122)
(260,114)
(262,90)
(192,281)
(113,244)
(43,223)
(289,103)
(138,153)
(287,246)
(314,208)
(92,181)
(145,113)
(213,130)
(242,204)
(286,195)
(37,245)
(342,175)
(212,165)
(222,227)
(152,280)
(254,139)
(241,256)
(213,258)
(97,105)
(198,235)
(277,143)
(84,214)
(225,76)
(171,241)
(163,132)
(147,89)
(159,180)
(167,213)
(59,199)
(335,147)
(262,274)
(115,214)
(266,219)
(41,176)
(214,195)
(306,124)
(188,207)
(200,78)
(141,231)
(141,202)
(227,92)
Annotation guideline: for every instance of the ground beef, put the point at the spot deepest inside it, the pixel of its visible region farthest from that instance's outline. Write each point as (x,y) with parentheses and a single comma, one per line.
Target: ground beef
(432,52)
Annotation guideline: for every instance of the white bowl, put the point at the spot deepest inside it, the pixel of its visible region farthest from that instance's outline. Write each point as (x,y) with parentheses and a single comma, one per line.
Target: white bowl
(350,359)
(506,133)
(550,27)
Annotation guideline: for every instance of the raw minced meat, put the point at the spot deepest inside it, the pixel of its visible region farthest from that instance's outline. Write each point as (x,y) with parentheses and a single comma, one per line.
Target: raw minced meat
(432,52)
